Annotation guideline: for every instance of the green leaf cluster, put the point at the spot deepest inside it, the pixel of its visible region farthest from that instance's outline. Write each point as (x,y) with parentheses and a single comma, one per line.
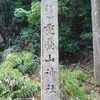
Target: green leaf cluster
(14,85)
(70,85)
(22,61)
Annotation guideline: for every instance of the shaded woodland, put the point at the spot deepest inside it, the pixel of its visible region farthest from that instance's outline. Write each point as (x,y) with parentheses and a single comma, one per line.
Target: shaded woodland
(20,47)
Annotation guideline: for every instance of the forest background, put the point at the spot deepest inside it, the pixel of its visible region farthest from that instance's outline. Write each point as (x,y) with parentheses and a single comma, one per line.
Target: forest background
(20,33)
(20,26)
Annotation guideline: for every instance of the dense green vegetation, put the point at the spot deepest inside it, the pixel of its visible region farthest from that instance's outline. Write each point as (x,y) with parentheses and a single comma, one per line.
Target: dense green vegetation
(14,76)
(20,36)
(17,82)
(20,26)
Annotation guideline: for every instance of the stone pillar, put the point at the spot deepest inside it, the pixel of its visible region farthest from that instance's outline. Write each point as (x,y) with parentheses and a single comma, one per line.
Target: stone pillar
(95,5)
(49,50)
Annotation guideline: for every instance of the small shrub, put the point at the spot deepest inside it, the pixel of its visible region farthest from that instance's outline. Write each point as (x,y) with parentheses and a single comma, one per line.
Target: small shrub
(80,75)
(15,59)
(71,88)
(23,61)
(14,85)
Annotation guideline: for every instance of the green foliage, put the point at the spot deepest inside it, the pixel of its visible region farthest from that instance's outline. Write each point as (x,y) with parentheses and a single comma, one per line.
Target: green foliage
(86,36)
(27,61)
(71,88)
(73,22)
(20,12)
(75,39)
(73,85)
(23,61)
(14,85)
(34,14)
(80,75)
(87,43)
(29,40)
(72,35)
(0,55)
(70,45)
(14,59)
(93,95)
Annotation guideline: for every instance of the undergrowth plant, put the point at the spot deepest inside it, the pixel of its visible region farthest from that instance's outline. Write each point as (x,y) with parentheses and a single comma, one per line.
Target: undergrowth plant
(69,86)
(24,61)
(16,81)
(72,85)
(14,85)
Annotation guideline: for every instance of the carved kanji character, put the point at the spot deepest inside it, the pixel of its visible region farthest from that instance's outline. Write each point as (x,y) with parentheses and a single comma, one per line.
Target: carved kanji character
(49,43)
(49,11)
(48,88)
(53,89)
(50,59)
(48,29)
(51,73)
(47,72)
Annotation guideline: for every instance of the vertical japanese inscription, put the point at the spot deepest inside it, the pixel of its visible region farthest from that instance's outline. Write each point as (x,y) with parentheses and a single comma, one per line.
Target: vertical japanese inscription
(49,10)
(49,50)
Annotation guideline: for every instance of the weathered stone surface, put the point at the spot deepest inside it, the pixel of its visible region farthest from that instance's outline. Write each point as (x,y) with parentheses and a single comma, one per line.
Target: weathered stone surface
(96,37)
(49,50)
(95,4)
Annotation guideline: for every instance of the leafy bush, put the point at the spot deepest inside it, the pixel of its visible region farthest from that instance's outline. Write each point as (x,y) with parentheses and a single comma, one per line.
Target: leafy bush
(29,39)
(20,12)
(34,12)
(71,88)
(23,61)
(74,85)
(14,85)
(80,75)
(32,15)
(14,59)
(87,44)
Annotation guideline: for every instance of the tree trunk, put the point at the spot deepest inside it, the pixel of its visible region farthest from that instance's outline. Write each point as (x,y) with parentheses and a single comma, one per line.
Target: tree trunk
(49,50)
(95,4)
